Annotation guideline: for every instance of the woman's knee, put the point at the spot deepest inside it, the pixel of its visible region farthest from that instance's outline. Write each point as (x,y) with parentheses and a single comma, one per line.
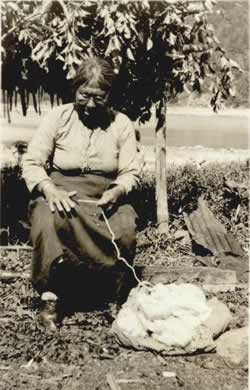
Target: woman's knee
(39,213)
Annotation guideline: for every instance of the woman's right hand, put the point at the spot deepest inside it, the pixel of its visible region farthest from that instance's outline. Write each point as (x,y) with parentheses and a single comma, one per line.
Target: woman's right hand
(58,199)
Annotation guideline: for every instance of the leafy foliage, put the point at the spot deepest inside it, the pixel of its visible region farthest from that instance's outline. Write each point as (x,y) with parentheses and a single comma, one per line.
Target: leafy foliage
(159,50)
(184,183)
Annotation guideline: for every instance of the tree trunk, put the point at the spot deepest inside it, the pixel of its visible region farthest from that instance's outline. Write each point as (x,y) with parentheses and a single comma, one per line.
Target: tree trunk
(161,169)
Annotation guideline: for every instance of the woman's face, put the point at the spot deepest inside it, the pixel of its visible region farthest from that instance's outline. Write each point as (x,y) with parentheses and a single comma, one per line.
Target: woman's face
(90,101)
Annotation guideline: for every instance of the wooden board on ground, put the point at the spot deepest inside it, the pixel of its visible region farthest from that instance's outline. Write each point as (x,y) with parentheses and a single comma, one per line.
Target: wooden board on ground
(210,279)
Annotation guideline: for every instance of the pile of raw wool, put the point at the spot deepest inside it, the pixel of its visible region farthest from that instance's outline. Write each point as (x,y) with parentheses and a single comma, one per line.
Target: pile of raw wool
(172,319)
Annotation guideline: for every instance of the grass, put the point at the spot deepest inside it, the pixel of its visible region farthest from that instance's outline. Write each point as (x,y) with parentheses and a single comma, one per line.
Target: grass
(184,185)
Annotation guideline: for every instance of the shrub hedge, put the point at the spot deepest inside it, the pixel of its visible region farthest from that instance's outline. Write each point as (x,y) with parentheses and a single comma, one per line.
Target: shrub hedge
(184,185)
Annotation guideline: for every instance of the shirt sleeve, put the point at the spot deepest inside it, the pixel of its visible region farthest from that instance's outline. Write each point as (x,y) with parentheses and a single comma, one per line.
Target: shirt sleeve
(39,150)
(130,160)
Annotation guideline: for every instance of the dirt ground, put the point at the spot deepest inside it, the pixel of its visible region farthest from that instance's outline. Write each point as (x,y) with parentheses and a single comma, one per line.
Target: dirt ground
(83,354)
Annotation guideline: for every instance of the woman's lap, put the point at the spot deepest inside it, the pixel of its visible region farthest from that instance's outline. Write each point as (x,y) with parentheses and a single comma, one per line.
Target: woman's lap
(85,234)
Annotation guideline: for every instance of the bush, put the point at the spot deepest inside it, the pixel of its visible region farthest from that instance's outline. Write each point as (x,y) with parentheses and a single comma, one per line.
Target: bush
(184,185)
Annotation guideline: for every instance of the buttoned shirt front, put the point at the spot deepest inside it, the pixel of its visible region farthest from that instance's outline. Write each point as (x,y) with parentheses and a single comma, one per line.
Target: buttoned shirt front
(63,139)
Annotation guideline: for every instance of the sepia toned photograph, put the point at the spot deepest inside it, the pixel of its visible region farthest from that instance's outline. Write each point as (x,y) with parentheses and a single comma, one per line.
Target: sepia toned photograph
(124,158)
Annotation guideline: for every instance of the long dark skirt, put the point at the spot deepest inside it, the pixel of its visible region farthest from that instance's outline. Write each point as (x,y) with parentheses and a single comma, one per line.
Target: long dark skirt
(83,236)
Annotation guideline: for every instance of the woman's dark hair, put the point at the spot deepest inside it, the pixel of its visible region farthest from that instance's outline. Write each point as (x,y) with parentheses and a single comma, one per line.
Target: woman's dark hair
(94,72)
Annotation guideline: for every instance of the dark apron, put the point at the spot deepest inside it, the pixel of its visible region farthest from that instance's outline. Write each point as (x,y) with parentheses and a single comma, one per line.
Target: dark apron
(83,237)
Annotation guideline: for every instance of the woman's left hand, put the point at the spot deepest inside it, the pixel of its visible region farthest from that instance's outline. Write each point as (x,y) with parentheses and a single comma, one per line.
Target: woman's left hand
(110,197)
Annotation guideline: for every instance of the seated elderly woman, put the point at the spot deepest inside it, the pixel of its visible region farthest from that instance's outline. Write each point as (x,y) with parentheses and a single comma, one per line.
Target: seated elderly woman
(94,164)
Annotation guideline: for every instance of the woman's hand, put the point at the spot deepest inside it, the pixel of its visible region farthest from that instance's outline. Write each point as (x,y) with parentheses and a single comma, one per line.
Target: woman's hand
(58,199)
(110,197)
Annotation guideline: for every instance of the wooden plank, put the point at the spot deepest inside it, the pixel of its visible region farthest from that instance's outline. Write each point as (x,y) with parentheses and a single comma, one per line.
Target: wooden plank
(238,264)
(11,275)
(209,235)
(211,279)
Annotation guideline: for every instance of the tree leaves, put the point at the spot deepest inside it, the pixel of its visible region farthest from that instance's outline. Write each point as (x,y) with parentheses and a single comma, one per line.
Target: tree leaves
(130,54)
(172,39)
(235,65)
(154,45)
(13,6)
(208,4)
(149,44)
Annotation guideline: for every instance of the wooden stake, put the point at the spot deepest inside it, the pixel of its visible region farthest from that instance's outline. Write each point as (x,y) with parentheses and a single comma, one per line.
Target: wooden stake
(161,170)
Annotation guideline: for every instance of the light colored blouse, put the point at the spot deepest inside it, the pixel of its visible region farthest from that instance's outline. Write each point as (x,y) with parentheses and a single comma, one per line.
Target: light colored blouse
(62,134)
